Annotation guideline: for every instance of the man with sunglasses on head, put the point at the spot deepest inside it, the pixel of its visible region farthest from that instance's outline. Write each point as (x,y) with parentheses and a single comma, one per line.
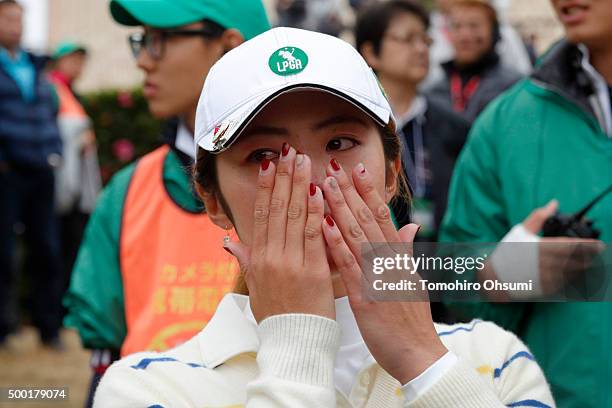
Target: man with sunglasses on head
(138,284)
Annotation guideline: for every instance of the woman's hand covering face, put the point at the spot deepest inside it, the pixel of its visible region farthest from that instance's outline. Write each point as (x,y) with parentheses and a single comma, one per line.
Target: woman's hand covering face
(400,335)
(287,269)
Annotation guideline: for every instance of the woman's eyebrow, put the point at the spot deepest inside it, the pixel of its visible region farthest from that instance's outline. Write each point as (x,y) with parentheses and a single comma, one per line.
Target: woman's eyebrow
(339,120)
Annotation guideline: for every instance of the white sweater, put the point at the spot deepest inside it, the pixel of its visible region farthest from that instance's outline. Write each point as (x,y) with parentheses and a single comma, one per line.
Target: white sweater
(288,361)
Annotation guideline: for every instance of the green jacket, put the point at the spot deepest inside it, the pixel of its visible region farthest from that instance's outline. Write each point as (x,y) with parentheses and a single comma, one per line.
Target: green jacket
(539,141)
(95,297)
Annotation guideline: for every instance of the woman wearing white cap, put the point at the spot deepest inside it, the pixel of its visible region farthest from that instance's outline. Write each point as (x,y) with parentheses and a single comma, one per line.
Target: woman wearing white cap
(297,152)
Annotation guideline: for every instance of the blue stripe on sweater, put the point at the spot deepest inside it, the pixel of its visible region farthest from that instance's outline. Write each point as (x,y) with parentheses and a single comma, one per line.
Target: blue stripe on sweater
(529,403)
(466,329)
(520,354)
(144,363)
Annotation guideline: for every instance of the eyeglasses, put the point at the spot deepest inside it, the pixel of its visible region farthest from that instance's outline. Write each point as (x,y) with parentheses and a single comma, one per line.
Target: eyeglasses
(155,41)
(411,39)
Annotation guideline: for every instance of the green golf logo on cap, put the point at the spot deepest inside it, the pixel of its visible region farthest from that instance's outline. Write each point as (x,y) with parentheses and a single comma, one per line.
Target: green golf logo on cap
(288,61)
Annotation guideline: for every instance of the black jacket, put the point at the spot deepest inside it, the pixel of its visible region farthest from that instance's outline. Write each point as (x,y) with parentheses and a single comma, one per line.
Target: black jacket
(444,134)
(29,135)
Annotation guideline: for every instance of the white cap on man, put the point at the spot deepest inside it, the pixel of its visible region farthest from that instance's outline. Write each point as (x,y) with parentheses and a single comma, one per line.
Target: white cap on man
(278,61)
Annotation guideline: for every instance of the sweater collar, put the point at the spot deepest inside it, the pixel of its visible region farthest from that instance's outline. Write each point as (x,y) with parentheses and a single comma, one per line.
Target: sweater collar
(233,329)
(229,332)
(232,332)
(349,330)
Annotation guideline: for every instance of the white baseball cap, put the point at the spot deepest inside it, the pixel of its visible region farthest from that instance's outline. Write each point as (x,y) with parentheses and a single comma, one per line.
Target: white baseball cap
(278,61)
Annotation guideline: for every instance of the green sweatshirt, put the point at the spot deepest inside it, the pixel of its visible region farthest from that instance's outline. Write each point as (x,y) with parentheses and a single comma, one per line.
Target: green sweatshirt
(95,298)
(529,146)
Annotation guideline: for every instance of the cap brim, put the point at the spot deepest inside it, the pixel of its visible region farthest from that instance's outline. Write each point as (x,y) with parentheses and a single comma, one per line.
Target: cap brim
(154,13)
(221,137)
(68,51)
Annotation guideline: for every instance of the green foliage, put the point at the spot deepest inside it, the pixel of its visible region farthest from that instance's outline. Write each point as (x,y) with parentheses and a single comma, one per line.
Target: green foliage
(428,4)
(121,119)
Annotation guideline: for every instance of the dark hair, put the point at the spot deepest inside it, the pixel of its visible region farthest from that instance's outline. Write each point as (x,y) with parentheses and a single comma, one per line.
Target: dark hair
(11,2)
(213,29)
(373,21)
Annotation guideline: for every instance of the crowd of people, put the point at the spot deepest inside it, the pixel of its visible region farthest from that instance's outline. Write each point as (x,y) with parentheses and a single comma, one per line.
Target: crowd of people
(229,255)
(48,171)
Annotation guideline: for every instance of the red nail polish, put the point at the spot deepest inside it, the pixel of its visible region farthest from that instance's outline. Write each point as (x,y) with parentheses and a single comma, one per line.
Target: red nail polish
(265,163)
(229,251)
(335,165)
(329,220)
(313,189)
(285,149)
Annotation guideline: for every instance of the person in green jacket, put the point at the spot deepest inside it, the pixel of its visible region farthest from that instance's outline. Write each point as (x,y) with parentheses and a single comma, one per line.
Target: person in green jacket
(546,144)
(179,42)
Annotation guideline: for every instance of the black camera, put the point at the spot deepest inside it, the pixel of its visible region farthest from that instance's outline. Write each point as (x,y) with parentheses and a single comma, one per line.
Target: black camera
(576,225)
(560,225)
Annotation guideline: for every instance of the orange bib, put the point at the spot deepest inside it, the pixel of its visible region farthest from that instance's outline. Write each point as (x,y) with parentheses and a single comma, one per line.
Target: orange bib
(69,105)
(173,265)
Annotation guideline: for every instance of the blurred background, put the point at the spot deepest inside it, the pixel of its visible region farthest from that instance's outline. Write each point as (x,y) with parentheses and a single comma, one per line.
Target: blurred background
(110,83)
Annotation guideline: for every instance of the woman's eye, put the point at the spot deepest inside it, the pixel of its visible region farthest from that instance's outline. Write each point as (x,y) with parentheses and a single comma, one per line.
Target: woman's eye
(340,144)
(260,155)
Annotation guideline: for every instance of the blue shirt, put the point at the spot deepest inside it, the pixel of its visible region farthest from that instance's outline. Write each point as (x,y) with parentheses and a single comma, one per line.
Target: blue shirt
(21,70)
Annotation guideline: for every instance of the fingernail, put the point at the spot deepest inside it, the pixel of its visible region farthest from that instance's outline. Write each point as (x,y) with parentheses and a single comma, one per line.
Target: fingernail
(329,220)
(229,251)
(333,183)
(299,151)
(361,170)
(418,229)
(335,165)
(265,163)
(299,159)
(285,150)
(313,189)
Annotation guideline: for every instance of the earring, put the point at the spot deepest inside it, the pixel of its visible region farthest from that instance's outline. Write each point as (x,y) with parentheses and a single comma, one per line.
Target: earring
(226,238)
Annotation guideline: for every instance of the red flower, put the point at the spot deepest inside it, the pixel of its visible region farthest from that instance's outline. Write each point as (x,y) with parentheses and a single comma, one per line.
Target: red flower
(124,99)
(123,150)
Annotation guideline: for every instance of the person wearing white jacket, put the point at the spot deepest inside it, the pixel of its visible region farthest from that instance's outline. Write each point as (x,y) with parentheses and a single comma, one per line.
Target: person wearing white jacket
(297,152)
